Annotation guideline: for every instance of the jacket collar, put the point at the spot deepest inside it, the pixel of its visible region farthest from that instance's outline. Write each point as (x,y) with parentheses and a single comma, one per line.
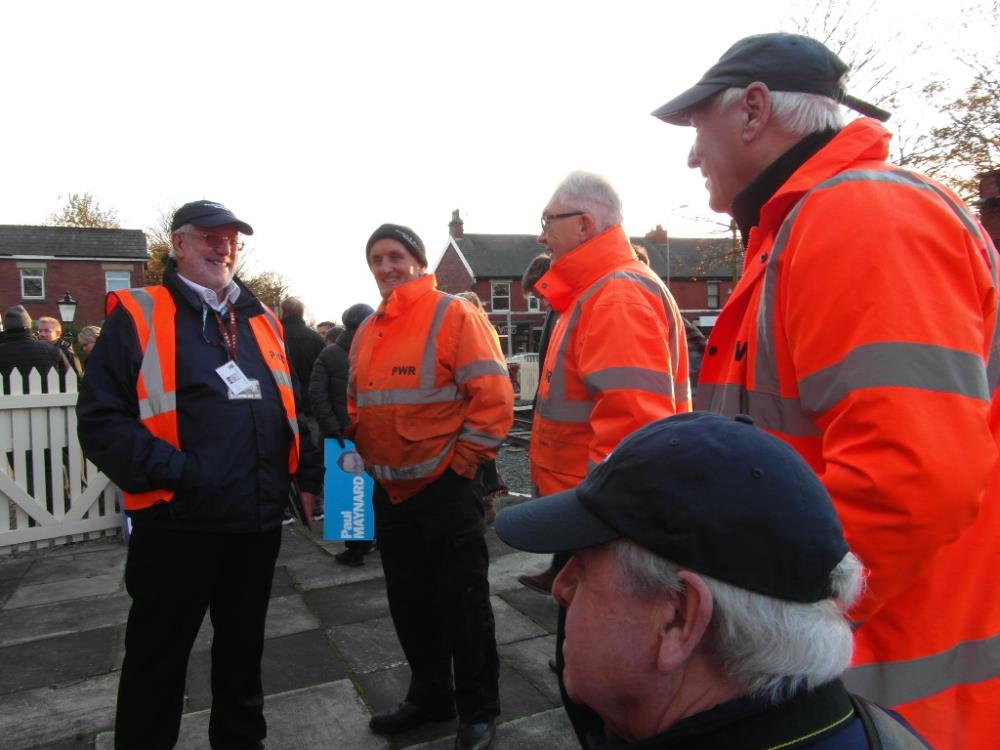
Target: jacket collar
(402,298)
(585,264)
(246,302)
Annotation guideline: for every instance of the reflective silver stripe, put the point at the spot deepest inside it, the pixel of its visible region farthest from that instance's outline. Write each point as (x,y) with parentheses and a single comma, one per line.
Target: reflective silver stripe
(282,378)
(765,362)
(428,363)
(771,412)
(633,378)
(408,396)
(471,435)
(896,682)
(924,366)
(417,471)
(556,406)
(479,369)
(157,400)
(164,402)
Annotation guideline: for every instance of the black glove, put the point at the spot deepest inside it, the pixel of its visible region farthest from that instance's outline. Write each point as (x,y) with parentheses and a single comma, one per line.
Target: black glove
(339,437)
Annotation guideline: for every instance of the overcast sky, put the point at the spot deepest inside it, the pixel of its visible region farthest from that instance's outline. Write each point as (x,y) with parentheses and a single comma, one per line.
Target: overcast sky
(316,122)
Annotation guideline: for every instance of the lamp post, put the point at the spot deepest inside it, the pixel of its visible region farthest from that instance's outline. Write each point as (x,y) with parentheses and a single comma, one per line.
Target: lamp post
(67,312)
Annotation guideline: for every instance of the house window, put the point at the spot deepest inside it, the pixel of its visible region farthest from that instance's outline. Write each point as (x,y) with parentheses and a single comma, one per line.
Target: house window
(713,295)
(500,295)
(33,283)
(533,304)
(115,280)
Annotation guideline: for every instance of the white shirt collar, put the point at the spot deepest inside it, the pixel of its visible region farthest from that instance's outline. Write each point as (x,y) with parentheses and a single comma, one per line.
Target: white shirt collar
(230,294)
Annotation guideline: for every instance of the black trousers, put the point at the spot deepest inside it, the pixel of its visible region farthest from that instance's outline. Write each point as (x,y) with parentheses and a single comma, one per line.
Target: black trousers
(173,577)
(435,561)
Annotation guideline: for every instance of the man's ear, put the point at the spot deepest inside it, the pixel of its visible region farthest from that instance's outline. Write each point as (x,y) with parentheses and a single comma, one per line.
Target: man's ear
(684,622)
(756,104)
(588,228)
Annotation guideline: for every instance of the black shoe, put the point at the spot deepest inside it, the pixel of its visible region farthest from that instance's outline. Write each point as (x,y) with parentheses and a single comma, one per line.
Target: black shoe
(476,736)
(407,716)
(350,557)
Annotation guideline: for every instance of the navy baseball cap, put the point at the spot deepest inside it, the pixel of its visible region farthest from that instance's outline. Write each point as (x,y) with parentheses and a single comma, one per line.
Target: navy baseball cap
(716,495)
(783,62)
(208,214)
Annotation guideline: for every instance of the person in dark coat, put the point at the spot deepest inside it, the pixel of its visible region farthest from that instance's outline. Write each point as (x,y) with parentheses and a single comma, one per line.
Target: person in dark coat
(707,595)
(21,351)
(302,342)
(328,397)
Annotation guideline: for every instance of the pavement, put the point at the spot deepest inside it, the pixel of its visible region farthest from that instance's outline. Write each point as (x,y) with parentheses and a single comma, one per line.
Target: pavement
(331,657)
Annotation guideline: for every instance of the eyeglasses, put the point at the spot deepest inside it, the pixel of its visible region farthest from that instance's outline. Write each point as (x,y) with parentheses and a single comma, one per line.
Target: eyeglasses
(217,241)
(548,219)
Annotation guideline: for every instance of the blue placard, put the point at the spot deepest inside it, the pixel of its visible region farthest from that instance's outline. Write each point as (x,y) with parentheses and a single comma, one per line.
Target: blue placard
(347,494)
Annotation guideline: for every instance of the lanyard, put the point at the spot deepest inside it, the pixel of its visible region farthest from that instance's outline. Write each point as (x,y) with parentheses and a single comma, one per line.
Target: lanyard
(227,330)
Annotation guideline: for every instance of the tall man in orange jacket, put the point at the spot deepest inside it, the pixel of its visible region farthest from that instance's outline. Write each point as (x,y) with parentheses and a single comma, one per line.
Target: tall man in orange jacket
(864,333)
(430,400)
(188,404)
(616,359)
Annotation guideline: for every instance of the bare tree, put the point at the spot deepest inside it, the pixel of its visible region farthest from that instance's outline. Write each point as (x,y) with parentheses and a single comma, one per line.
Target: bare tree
(82,210)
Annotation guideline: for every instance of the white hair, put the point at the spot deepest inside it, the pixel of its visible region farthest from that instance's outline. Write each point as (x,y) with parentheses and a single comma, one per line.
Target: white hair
(798,113)
(592,194)
(771,646)
(182,229)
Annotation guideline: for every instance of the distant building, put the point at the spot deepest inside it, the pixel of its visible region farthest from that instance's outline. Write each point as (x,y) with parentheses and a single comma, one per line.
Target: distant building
(698,272)
(989,203)
(38,265)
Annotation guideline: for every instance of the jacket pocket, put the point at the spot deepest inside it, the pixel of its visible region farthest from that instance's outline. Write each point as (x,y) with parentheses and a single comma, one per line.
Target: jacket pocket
(416,429)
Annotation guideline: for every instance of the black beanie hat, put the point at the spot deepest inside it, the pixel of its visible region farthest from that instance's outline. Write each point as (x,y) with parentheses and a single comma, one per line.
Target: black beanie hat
(355,315)
(404,235)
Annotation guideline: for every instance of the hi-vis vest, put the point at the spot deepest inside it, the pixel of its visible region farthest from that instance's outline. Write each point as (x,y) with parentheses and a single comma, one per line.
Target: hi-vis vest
(152,311)
(865,333)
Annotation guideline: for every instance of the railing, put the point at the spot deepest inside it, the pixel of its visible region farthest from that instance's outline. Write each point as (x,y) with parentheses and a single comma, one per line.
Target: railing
(49,493)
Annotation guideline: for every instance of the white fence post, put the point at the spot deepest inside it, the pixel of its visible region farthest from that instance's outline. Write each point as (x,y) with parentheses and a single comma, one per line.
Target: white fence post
(49,494)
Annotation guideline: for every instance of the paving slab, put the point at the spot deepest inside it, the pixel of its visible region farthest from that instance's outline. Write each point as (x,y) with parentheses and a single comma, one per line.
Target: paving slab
(281,583)
(25,624)
(14,569)
(65,589)
(385,689)
(327,717)
(353,602)
(79,564)
(40,717)
(368,646)
(530,659)
(285,615)
(504,570)
(56,660)
(542,609)
(512,625)
(289,663)
(318,570)
(548,730)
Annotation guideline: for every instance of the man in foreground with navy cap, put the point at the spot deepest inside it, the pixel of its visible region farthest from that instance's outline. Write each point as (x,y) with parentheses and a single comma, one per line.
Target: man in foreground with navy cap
(189,405)
(706,593)
(864,332)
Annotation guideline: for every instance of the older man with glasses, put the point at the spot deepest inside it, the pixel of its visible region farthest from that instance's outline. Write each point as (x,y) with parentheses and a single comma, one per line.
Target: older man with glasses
(617,356)
(189,405)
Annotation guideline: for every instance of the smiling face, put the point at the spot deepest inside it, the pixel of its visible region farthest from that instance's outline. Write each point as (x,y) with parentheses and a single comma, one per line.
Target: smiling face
(717,152)
(391,265)
(208,256)
(49,330)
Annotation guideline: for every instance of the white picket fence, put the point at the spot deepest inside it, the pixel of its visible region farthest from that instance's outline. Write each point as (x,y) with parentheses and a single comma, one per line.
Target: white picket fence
(49,493)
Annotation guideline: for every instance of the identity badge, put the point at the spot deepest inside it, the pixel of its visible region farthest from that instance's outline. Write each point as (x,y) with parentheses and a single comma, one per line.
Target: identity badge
(347,494)
(234,378)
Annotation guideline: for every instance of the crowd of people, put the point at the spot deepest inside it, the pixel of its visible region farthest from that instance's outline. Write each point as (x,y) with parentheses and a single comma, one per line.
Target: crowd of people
(40,345)
(800,552)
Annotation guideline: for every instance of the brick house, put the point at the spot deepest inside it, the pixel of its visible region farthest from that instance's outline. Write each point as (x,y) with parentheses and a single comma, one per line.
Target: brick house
(40,264)
(697,272)
(989,203)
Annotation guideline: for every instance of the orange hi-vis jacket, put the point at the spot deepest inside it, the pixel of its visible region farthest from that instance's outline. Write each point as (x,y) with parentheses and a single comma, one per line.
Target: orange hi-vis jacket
(428,389)
(152,311)
(617,359)
(864,333)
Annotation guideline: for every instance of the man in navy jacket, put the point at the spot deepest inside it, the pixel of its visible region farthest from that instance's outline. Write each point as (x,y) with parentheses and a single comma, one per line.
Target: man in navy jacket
(188,404)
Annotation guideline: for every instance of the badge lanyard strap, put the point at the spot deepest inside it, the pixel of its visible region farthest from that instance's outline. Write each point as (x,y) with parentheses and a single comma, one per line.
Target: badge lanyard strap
(228,331)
